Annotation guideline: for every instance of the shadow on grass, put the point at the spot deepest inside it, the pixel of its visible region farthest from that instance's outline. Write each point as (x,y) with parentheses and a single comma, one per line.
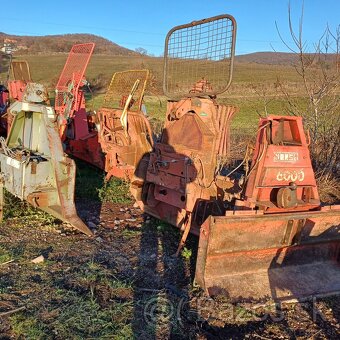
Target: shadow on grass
(162,284)
(91,191)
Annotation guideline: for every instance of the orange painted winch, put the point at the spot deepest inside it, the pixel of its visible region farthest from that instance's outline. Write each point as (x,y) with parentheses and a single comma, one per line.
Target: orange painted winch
(263,233)
(77,127)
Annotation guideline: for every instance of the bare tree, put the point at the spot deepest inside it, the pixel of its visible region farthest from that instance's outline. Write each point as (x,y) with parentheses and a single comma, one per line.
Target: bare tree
(265,95)
(319,103)
(141,51)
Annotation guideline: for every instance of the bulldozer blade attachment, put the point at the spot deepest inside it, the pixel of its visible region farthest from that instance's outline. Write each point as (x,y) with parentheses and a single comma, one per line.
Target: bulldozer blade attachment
(34,167)
(282,257)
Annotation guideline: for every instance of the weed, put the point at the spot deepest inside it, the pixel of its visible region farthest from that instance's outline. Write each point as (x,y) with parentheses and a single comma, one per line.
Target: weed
(28,327)
(164,227)
(161,226)
(4,255)
(115,191)
(14,208)
(88,180)
(90,184)
(128,233)
(186,253)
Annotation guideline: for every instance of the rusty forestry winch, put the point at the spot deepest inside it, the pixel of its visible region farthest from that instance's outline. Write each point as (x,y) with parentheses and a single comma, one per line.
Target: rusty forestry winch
(262,230)
(125,133)
(77,127)
(18,76)
(33,165)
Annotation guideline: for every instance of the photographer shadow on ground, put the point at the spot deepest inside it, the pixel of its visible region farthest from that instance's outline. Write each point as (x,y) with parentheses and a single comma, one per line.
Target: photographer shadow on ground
(163,281)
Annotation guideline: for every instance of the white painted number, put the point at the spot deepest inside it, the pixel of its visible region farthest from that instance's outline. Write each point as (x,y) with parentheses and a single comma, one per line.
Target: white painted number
(290,175)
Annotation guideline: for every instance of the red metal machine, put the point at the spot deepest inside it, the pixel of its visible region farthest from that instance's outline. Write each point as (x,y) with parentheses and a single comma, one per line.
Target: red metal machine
(21,76)
(125,133)
(262,230)
(4,94)
(14,90)
(4,104)
(77,127)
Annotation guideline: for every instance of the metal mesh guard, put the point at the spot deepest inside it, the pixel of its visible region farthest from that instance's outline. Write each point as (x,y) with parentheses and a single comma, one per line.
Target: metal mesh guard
(199,57)
(73,71)
(120,87)
(21,71)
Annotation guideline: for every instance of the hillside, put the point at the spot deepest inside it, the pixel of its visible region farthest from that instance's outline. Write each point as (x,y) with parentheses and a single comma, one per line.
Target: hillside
(276,58)
(270,58)
(51,44)
(61,43)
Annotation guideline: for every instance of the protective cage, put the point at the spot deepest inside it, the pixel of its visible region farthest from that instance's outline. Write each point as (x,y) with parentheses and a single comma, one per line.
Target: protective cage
(21,71)
(120,87)
(202,51)
(73,72)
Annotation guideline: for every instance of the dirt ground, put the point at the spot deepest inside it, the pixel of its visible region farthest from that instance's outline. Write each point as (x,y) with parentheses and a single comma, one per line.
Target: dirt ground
(125,283)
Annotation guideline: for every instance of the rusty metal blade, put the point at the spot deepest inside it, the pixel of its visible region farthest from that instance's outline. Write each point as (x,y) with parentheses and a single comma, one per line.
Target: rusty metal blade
(282,257)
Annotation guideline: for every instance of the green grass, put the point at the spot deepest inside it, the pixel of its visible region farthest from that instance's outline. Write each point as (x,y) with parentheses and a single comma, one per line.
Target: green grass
(259,73)
(76,298)
(106,65)
(90,184)
(251,109)
(115,191)
(27,326)
(80,317)
(89,180)
(5,255)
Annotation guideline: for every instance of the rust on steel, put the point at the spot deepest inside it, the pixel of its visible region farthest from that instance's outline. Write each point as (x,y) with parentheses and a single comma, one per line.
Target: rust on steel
(71,78)
(125,132)
(20,71)
(202,49)
(77,127)
(33,164)
(263,232)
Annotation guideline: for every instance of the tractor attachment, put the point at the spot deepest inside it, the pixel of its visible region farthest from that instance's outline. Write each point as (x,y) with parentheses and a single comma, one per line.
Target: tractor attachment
(125,132)
(33,165)
(5,64)
(14,90)
(262,230)
(21,76)
(77,127)
(4,104)
(277,240)
(252,256)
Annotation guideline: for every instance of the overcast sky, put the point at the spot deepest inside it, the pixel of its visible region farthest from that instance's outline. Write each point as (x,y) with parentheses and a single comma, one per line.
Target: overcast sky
(145,23)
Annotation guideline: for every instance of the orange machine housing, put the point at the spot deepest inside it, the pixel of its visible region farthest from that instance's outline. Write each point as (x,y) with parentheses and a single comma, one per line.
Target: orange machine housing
(77,127)
(281,175)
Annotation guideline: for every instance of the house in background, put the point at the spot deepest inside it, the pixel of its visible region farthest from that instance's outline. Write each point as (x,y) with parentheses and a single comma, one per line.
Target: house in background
(9,46)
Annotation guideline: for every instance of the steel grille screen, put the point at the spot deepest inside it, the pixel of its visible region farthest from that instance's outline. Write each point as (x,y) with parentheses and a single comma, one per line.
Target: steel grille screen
(120,87)
(199,57)
(21,71)
(73,72)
